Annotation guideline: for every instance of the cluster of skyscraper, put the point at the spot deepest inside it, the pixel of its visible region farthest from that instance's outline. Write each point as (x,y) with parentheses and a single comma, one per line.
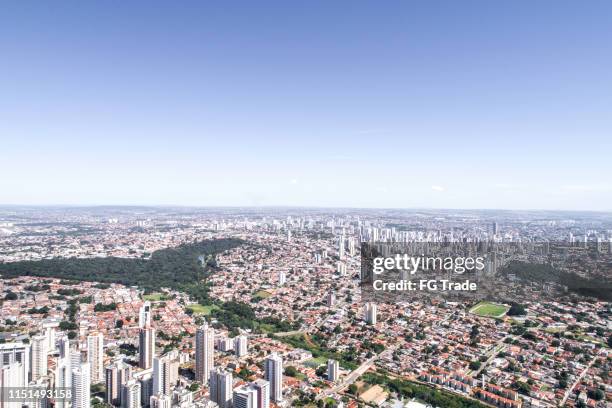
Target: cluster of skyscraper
(154,383)
(26,365)
(220,382)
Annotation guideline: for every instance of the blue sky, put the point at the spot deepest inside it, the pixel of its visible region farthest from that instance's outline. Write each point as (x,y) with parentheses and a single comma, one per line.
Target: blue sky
(448,104)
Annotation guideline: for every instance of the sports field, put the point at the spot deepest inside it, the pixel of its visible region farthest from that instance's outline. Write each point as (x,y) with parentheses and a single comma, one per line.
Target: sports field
(489,309)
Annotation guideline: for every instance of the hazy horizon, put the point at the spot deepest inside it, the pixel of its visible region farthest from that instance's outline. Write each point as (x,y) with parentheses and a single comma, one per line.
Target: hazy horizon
(290,207)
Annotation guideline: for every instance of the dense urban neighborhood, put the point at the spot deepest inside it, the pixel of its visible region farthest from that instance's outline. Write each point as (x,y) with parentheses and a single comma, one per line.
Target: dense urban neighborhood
(165,307)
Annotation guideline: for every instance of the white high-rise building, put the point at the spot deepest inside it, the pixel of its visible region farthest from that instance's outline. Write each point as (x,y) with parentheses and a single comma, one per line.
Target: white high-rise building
(370,313)
(95,357)
(63,345)
(220,386)
(351,246)
(130,394)
(145,378)
(205,348)
(282,278)
(245,397)
(144,315)
(117,375)
(165,374)
(11,375)
(223,343)
(333,370)
(331,299)
(16,352)
(146,337)
(81,386)
(49,327)
(274,375)
(76,358)
(262,388)
(38,362)
(241,346)
(63,371)
(146,347)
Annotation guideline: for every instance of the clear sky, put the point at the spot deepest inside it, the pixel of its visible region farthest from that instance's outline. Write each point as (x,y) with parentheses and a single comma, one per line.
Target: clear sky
(449,104)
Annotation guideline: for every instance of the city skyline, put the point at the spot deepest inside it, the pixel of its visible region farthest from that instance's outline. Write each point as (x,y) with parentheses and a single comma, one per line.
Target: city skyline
(407,105)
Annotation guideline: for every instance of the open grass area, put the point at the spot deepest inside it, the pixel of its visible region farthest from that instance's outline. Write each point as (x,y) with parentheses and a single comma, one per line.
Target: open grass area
(155,297)
(265,327)
(489,309)
(315,362)
(555,329)
(202,310)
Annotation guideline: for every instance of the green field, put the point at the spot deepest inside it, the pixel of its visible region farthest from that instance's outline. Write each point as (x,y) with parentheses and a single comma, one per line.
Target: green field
(266,328)
(155,297)
(489,309)
(315,362)
(202,310)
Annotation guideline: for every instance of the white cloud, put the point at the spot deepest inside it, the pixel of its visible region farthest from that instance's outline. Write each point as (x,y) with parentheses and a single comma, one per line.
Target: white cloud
(437,188)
